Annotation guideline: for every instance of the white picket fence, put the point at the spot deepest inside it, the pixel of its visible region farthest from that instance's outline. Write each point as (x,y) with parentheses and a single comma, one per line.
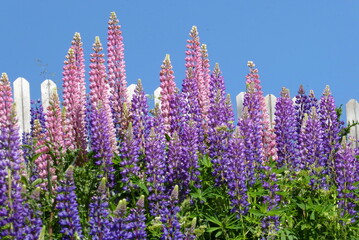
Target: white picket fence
(22,103)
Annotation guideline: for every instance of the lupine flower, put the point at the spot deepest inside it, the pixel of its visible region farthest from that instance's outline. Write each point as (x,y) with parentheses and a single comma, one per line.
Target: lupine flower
(116,74)
(37,112)
(119,226)
(135,222)
(68,207)
(330,125)
(100,141)
(345,166)
(220,123)
(203,84)
(235,177)
(257,109)
(286,131)
(99,214)
(99,91)
(12,211)
(171,227)
(139,116)
(129,153)
(189,232)
(168,88)
(156,168)
(74,96)
(302,107)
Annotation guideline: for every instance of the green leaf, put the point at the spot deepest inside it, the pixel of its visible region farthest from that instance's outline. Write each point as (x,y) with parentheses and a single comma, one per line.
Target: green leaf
(37,181)
(24,180)
(312,216)
(144,188)
(212,229)
(219,233)
(42,233)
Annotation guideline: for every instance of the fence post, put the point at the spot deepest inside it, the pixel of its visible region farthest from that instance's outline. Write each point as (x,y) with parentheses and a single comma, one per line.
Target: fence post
(270,101)
(157,94)
(22,103)
(47,88)
(352,112)
(131,91)
(239,101)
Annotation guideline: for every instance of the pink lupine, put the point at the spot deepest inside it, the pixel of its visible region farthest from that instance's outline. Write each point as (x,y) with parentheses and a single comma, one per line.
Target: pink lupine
(44,162)
(268,136)
(6,100)
(54,125)
(168,88)
(74,95)
(203,82)
(99,88)
(116,74)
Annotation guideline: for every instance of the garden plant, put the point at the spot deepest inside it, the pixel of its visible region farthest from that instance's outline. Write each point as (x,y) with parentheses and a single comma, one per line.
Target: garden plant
(102,165)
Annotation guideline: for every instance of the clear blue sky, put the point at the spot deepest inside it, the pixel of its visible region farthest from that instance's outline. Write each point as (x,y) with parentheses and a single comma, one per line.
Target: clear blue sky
(309,42)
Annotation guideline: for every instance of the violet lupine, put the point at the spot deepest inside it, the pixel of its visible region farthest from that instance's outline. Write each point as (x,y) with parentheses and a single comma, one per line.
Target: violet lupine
(135,222)
(68,207)
(100,141)
(345,166)
(189,232)
(129,153)
(139,115)
(311,141)
(116,74)
(286,132)
(99,91)
(118,227)
(168,88)
(171,227)
(37,112)
(100,225)
(13,213)
(220,123)
(331,127)
(235,173)
(302,107)
(155,149)
(74,97)
(254,96)
(253,124)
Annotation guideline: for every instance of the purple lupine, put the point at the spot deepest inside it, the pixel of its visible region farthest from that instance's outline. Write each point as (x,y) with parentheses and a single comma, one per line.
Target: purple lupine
(118,227)
(345,166)
(286,132)
(129,153)
(302,107)
(171,227)
(13,213)
(189,232)
(311,141)
(220,123)
(168,88)
(235,177)
(139,116)
(331,127)
(68,207)
(135,222)
(33,213)
(155,149)
(37,112)
(270,224)
(100,225)
(116,74)
(100,142)
(253,123)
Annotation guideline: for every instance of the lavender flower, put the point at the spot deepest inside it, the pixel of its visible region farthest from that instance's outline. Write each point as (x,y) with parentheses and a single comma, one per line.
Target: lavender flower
(135,222)
(99,214)
(286,132)
(171,226)
(68,207)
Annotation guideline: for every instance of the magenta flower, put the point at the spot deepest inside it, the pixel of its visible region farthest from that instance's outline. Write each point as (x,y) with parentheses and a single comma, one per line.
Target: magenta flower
(116,74)
(168,88)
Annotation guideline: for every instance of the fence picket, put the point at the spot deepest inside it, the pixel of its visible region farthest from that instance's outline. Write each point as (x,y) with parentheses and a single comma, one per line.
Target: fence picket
(270,101)
(22,103)
(157,94)
(131,91)
(239,101)
(47,88)
(352,111)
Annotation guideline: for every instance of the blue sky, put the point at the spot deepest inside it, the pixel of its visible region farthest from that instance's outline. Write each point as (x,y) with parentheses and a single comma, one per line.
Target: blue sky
(314,43)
